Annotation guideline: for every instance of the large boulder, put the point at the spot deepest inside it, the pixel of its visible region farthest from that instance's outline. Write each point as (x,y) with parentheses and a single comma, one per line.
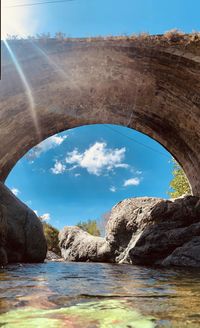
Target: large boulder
(21,232)
(146,231)
(173,226)
(151,231)
(127,219)
(78,245)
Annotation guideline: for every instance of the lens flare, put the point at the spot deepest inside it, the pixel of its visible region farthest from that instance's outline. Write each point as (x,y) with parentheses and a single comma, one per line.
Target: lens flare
(26,87)
(21,22)
(56,67)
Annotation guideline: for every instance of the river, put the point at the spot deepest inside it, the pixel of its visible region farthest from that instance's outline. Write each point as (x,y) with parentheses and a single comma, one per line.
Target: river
(89,295)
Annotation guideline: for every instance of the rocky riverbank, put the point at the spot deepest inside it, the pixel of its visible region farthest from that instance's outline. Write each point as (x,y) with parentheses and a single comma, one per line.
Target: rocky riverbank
(146,231)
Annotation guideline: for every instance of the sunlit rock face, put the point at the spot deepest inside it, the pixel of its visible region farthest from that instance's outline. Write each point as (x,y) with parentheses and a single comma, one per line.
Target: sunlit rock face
(127,219)
(146,231)
(79,246)
(151,231)
(150,84)
(21,232)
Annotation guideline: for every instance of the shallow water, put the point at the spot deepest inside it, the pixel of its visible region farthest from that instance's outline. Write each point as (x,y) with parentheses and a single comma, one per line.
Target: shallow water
(90,295)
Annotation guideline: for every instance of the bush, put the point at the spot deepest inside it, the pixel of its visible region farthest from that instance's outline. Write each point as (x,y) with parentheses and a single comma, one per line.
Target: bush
(51,235)
(179,185)
(90,226)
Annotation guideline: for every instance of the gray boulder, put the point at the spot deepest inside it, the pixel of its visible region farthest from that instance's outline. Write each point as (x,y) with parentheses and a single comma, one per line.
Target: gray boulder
(78,245)
(146,231)
(155,231)
(21,232)
(127,219)
(173,223)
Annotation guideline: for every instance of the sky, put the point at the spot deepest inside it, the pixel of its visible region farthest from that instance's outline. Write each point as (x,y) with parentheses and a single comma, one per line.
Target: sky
(81,173)
(79,18)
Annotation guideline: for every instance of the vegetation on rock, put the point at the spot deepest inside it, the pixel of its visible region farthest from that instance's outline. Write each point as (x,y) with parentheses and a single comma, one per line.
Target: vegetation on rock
(90,226)
(51,235)
(179,185)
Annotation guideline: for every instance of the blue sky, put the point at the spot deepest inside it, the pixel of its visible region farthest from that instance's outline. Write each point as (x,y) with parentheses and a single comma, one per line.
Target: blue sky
(81,173)
(100,17)
(95,17)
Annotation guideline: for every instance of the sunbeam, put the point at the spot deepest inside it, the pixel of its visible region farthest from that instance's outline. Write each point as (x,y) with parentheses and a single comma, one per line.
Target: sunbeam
(57,69)
(27,88)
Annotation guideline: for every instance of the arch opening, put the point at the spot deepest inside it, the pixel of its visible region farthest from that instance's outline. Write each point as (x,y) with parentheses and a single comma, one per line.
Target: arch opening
(115,161)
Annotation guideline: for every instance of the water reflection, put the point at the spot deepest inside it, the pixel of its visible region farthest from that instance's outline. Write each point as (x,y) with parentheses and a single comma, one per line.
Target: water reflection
(84,290)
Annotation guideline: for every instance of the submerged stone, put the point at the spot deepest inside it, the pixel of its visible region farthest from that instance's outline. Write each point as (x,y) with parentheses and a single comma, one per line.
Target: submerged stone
(102,314)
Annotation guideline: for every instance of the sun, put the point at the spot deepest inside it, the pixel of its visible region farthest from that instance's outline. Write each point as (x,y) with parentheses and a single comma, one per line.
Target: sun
(20,21)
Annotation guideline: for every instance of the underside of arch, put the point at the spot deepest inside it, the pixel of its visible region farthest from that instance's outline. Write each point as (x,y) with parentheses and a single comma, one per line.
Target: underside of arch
(149,85)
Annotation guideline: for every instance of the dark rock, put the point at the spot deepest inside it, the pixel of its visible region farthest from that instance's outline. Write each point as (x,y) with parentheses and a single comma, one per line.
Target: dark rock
(3,257)
(174,223)
(21,237)
(188,255)
(127,218)
(78,245)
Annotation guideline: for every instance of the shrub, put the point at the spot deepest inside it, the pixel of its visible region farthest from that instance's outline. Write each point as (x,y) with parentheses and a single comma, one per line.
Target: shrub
(51,235)
(90,226)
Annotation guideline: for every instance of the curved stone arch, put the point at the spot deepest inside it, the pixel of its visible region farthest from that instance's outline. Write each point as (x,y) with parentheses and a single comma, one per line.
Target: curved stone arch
(148,85)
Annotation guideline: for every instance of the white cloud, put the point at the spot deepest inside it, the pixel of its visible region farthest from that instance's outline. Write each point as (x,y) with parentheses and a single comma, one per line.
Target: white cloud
(45,145)
(77,175)
(113,189)
(138,172)
(15,191)
(58,168)
(132,182)
(36,212)
(45,217)
(122,165)
(97,158)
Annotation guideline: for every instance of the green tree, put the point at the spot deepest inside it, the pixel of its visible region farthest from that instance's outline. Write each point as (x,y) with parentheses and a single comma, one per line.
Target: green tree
(51,235)
(90,226)
(179,185)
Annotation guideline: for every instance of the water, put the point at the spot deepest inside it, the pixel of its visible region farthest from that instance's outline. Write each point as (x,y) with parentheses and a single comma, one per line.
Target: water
(89,295)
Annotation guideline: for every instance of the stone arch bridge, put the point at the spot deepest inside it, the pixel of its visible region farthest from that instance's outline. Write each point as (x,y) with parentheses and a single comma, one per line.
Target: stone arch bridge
(149,83)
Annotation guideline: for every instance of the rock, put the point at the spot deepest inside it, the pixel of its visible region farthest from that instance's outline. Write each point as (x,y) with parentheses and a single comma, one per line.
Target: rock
(3,234)
(3,257)
(128,218)
(51,256)
(151,231)
(78,245)
(188,255)
(21,237)
(174,223)
(146,231)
